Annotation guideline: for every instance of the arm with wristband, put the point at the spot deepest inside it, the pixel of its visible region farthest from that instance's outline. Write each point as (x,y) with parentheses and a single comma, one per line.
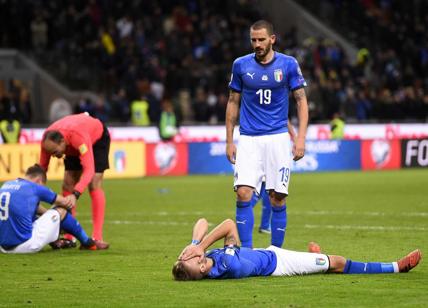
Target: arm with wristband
(200,229)
(226,230)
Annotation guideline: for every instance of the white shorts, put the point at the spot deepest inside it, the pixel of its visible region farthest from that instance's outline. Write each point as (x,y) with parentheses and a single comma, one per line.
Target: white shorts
(45,231)
(290,263)
(264,157)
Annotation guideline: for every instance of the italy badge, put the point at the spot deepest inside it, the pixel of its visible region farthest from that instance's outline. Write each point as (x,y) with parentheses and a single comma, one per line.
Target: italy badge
(278,75)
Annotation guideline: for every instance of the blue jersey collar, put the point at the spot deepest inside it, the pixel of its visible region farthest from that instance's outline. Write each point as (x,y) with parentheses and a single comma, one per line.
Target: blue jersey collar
(265,64)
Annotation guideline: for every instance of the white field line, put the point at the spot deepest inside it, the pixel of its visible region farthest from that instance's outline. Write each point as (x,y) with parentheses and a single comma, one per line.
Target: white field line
(306,226)
(368,228)
(290,212)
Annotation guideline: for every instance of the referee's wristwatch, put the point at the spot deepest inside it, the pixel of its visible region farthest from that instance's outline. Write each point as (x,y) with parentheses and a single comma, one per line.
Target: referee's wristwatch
(76,194)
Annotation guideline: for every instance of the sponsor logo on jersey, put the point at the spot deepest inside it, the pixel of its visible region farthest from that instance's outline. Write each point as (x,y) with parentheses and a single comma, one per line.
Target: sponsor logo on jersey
(320,261)
(83,149)
(278,75)
(251,75)
(265,78)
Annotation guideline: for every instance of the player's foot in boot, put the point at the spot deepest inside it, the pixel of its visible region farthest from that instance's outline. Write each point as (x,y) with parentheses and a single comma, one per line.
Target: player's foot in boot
(94,245)
(63,243)
(408,262)
(314,247)
(265,230)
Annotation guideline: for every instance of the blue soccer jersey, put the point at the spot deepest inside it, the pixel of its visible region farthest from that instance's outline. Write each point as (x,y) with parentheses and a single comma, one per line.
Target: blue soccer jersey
(264,92)
(19,200)
(235,262)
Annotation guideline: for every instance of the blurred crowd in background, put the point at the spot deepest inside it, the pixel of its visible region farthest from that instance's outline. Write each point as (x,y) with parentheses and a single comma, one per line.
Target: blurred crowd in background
(139,56)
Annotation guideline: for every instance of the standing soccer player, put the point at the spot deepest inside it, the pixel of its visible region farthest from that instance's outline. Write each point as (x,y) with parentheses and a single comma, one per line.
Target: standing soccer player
(85,141)
(261,82)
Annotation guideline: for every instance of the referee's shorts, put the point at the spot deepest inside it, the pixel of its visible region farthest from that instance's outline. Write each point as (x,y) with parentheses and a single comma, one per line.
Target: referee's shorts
(100,149)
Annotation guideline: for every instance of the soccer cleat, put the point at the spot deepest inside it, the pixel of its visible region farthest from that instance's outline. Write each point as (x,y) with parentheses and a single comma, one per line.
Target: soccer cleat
(265,231)
(63,243)
(408,262)
(95,245)
(314,247)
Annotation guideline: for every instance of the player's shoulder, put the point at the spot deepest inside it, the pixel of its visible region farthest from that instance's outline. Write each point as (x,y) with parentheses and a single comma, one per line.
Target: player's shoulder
(245,59)
(286,58)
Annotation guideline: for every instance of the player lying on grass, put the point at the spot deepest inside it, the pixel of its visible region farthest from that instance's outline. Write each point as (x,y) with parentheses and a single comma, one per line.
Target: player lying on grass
(235,262)
(20,229)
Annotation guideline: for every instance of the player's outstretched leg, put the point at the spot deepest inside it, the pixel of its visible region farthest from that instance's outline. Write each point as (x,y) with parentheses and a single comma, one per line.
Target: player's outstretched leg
(403,265)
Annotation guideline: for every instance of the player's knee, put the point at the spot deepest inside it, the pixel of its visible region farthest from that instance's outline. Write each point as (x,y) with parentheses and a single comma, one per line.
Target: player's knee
(244,193)
(96,182)
(277,199)
(62,212)
(337,264)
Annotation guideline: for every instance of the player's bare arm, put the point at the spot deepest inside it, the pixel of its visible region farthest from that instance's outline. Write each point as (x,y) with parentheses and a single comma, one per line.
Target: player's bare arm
(291,131)
(232,238)
(64,202)
(227,230)
(232,110)
(200,230)
(303,115)
(41,210)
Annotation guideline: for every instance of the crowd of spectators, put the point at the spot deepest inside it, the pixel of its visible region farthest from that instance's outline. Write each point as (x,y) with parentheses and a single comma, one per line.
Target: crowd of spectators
(182,50)
(389,80)
(15,101)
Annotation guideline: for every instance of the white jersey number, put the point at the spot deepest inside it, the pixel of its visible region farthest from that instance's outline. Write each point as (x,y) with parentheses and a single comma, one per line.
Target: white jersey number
(4,205)
(264,96)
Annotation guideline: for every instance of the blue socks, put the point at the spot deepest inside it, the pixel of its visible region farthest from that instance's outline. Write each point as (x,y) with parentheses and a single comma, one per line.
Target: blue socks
(70,225)
(278,225)
(245,222)
(266,210)
(353,267)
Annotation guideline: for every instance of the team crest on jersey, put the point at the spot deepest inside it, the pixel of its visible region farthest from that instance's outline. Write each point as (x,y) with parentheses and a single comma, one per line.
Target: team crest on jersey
(83,149)
(320,261)
(278,75)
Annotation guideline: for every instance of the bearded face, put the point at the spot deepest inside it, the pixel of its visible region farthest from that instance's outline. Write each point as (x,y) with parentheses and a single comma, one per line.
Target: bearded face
(262,43)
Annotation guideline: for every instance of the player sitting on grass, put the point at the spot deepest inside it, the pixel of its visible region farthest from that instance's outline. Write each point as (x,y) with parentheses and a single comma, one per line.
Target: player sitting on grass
(233,261)
(20,229)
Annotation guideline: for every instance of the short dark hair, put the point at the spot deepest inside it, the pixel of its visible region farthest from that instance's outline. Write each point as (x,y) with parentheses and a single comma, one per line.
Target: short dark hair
(35,171)
(53,135)
(263,24)
(179,272)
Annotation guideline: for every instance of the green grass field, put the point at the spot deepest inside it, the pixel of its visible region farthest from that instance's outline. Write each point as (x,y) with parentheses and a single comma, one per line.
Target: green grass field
(371,216)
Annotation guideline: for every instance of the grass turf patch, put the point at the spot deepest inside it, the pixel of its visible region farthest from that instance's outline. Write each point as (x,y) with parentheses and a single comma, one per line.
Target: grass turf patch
(366,216)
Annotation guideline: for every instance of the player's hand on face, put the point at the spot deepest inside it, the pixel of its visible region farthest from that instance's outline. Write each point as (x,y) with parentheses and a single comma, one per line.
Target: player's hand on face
(190,252)
(231,152)
(298,148)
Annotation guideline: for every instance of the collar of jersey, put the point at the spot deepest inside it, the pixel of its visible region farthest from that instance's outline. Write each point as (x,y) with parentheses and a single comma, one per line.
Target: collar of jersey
(266,64)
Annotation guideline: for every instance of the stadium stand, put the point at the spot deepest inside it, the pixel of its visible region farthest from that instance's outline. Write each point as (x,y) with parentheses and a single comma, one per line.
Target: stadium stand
(184,50)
